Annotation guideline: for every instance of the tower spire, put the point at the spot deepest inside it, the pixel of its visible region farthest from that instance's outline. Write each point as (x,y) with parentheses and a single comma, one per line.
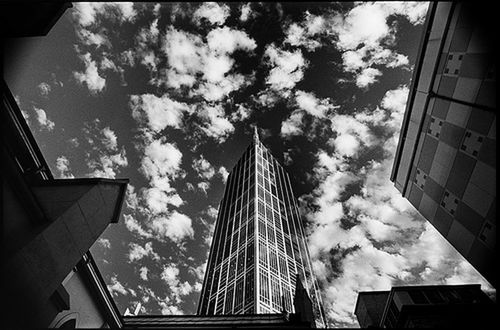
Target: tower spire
(255,134)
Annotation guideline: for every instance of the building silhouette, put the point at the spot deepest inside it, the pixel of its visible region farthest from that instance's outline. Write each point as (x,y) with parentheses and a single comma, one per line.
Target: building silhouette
(445,162)
(49,277)
(259,249)
(432,306)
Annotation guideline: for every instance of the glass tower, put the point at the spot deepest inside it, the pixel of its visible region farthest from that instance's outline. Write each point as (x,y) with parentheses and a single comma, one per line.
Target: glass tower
(259,247)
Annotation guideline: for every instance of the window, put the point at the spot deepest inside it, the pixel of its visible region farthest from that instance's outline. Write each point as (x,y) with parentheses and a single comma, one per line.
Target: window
(261,208)
(273,262)
(229,301)
(264,287)
(262,254)
(249,289)
(275,293)
(250,254)
(238,296)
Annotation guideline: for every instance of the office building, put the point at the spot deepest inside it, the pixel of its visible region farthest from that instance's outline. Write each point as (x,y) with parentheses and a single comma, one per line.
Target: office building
(437,306)
(259,249)
(445,162)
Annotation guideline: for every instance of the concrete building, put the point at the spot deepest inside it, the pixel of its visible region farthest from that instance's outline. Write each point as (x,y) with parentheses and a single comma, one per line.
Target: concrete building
(438,306)
(259,246)
(445,163)
(49,277)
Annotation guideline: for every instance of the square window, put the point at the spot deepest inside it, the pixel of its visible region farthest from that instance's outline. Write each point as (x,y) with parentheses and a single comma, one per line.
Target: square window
(456,201)
(440,123)
(446,193)
(437,134)
(456,71)
(479,139)
(452,211)
(443,204)
(474,153)
(460,57)
(446,70)
(432,119)
(450,57)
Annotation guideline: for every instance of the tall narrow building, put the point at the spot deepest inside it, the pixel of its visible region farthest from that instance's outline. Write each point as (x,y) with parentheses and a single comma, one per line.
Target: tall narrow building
(259,246)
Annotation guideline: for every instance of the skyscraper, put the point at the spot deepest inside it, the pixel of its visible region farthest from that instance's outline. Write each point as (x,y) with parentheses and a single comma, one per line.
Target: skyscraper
(259,247)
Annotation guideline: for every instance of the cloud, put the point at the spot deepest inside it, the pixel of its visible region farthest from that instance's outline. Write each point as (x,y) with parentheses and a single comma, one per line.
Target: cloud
(176,226)
(371,239)
(203,168)
(143,273)
(188,57)
(135,227)
(304,33)
(109,139)
(161,161)
(104,159)
(157,113)
(137,252)
(95,83)
(241,113)
(44,89)
(367,77)
(43,121)
(306,104)
(366,39)
(89,38)
(246,12)
(223,173)
(351,135)
(292,125)
(104,242)
(312,105)
(170,275)
(203,186)
(226,41)
(116,288)
(287,68)
(86,13)
(62,166)
(215,123)
(212,12)
(158,201)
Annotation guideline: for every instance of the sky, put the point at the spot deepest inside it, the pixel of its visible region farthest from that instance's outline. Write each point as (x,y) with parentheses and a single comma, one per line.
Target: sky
(167,95)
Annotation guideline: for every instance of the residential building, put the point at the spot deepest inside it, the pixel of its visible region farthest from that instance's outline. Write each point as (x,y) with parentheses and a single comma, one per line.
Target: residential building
(259,249)
(434,306)
(445,162)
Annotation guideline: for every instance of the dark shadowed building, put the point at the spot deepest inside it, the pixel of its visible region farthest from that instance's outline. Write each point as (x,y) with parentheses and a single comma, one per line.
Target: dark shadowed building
(445,163)
(49,277)
(438,306)
(259,253)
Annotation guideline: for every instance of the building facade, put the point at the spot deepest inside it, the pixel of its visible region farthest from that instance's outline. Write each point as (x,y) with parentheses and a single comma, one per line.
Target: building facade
(445,162)
(49,276)
(259,246)
(430,306)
